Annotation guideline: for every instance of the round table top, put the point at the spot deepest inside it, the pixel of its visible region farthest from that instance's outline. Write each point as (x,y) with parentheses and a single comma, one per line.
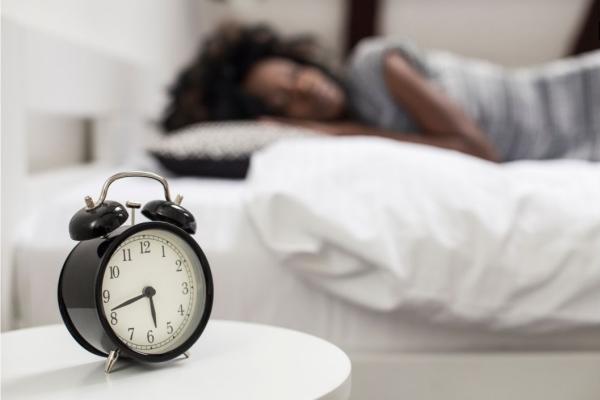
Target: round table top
(231,360)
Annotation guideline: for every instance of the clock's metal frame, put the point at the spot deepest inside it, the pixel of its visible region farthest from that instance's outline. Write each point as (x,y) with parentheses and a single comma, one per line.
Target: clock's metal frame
(91,205)
(80,296)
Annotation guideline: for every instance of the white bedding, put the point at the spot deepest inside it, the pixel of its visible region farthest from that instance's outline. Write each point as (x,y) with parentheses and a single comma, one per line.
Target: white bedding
(253,282)
(392,226)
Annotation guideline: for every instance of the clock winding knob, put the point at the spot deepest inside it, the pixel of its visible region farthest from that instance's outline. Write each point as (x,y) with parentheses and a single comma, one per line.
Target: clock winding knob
(133,206)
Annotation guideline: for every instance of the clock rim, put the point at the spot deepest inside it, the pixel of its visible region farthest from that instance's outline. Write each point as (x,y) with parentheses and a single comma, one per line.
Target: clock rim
(122,347)
(71,327)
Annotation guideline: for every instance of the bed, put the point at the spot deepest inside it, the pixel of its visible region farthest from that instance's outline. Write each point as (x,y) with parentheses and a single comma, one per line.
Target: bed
(266,289)
(252,283)
(253,280)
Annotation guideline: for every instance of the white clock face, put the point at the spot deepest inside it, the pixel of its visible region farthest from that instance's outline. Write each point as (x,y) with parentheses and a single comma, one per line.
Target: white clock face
(153,291)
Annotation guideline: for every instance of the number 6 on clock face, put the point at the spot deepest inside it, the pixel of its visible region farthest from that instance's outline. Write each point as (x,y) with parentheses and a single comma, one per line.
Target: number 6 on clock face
(152,291)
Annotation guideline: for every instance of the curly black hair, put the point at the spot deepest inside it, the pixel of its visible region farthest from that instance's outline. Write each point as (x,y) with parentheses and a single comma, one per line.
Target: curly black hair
(209,89)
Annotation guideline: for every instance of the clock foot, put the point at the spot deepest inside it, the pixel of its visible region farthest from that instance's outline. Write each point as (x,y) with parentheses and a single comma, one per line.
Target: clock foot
(186,354)
(113,356)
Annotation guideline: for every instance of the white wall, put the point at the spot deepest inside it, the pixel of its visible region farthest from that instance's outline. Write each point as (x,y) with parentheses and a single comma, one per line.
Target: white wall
(324,19)
(153,33)
(509,32)
(151,38)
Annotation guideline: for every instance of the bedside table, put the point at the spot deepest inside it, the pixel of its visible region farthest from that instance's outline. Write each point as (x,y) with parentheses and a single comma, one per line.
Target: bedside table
(231,360)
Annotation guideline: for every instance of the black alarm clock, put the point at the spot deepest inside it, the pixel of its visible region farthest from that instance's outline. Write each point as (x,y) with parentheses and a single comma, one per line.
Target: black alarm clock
(142,291)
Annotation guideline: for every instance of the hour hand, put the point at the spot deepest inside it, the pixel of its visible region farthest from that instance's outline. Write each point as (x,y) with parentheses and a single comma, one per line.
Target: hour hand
(132,300)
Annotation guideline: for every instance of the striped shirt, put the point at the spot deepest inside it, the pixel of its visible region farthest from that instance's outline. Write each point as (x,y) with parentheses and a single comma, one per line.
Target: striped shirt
(544,112)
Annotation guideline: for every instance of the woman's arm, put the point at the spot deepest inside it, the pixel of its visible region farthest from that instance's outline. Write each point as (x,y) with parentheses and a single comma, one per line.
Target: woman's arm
(444,123)
(350,128)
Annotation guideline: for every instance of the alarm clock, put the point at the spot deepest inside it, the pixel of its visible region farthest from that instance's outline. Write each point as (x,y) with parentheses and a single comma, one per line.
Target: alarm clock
(142,291)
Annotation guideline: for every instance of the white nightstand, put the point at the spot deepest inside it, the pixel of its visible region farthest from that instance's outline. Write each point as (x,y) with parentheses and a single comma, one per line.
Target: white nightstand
(231,360)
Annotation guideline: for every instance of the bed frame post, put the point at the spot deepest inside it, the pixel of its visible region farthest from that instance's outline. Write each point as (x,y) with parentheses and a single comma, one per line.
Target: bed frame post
(361,21)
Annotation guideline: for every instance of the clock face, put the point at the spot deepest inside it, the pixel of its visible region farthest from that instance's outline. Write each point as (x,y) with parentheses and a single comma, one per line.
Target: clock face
(153,291)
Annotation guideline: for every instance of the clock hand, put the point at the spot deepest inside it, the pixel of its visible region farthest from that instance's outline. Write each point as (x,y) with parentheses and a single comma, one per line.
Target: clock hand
(153,311)
(126,303)
(150,292)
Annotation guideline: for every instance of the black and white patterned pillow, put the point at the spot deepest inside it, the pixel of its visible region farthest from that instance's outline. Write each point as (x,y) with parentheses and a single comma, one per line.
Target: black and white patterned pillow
(219,149)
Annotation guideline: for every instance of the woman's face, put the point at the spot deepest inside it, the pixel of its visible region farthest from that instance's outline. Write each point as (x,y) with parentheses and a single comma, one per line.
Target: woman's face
(295,90)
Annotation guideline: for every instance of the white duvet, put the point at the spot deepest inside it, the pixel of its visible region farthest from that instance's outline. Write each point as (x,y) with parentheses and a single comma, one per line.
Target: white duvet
(388,225)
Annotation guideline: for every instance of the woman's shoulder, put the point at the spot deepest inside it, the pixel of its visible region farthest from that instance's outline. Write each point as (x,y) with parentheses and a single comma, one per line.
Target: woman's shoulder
(368,48)
(369,95)
(367,56)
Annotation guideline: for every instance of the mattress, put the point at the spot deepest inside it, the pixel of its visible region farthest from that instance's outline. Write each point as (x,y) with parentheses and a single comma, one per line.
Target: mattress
(250,283)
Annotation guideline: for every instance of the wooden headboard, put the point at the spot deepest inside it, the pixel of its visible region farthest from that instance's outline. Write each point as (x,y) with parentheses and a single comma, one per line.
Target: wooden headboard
(588,38)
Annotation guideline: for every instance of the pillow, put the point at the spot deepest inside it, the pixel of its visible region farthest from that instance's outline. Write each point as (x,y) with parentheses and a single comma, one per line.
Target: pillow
(219,149)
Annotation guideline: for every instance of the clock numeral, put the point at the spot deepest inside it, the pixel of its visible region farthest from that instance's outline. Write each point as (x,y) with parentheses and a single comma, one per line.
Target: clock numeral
(131,331)
(178,263)
(105,296)
(169,328)
(145,247)
(163,251)
(126,254)
(185,290)
(180,309)
(114,272)
(113,318)
(150,336)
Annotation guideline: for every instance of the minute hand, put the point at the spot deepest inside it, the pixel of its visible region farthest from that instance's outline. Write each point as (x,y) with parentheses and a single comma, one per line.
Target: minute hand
(152,311)
(126,303)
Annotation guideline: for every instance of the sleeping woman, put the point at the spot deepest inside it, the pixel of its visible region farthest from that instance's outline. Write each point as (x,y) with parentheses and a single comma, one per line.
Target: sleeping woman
(394,90)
